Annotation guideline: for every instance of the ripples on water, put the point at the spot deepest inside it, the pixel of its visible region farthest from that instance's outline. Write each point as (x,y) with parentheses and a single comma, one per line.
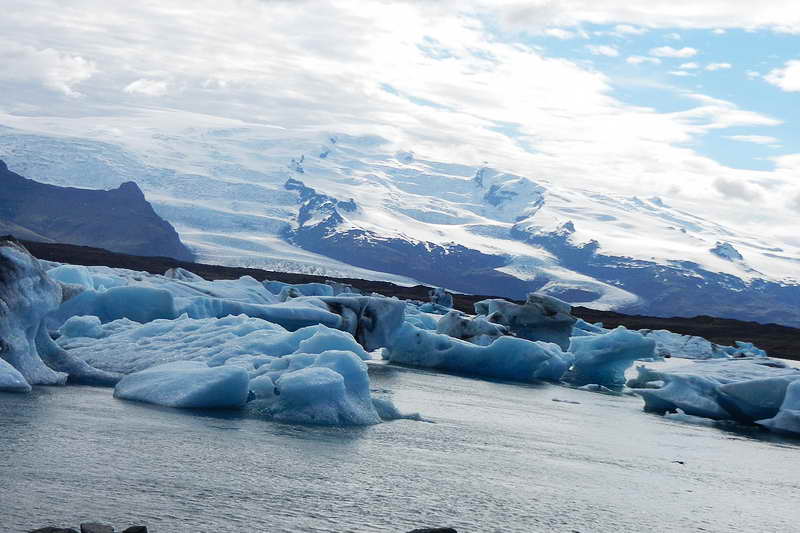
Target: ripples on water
(497,457)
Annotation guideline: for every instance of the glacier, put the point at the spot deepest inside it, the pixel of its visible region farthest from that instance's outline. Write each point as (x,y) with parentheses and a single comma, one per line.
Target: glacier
(358,201)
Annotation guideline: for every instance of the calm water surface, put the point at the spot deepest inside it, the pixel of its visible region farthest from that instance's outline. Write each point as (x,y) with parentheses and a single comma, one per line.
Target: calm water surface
(495,457)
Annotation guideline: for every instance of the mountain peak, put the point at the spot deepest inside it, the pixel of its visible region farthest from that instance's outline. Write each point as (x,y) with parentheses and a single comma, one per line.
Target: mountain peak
(3,166)
(130,188)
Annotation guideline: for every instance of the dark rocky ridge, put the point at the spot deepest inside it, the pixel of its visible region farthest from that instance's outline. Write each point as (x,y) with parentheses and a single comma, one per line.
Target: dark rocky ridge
(779,341)
(121,219)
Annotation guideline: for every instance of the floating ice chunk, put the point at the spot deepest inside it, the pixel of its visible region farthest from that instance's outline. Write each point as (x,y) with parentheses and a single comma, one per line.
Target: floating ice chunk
(585,329)
(73,274)
(694,395)
(371,320)
(754,399)
(138,303)
(417,318)
(181,274)
(669,344)
(387,410)
(603,359)
(79,371)
(477,330)
(697,388)
(541,318)
(292,315)
(187,384)
(331,388)
(304,289)
(788,418)
(11,380)
(439,296)
(82,326)
(506,358)
(128,346)
(745,349)
(263,387)
(331,339)
(27,294)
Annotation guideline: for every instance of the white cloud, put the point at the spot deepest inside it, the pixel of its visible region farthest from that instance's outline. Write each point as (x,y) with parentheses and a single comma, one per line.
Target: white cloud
(680,73)
(756,139)
(147,87)
(737,189)
(602,50)
(560,33)
(753,74)
(673,36)
(776,15)
(668,51)
(718,66)
(638,60)
(718,31)
(787,78)
(456,86)
(689,66)
(54,70)
(627,29)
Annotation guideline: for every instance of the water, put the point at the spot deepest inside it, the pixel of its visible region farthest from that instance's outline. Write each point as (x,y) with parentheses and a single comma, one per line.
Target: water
(496,457)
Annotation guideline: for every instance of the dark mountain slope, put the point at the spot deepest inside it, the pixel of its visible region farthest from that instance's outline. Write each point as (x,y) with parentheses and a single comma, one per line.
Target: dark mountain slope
(120,220)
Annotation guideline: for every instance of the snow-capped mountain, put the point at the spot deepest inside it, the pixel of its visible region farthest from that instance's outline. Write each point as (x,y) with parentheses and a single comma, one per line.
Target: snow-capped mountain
(343,205)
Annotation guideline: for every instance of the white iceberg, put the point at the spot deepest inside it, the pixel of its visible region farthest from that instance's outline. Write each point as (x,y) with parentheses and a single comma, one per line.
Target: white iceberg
(187,384)
(603,359)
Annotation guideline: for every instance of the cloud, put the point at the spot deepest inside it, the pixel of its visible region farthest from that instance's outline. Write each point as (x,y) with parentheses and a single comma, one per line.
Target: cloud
(689,66)
(738,190)
(680,73)
(756,139)
(752,74)
(786,78)
(638,60)
(602,50)
(147,87)
(673,36)
(627,29)
(718,31)
(794,203)
(718,66)
(560,33)
(54,70)
(461,91)
(668,51)
(715,15)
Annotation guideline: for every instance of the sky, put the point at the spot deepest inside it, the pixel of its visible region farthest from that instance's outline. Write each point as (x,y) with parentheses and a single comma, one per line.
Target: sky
(696,101)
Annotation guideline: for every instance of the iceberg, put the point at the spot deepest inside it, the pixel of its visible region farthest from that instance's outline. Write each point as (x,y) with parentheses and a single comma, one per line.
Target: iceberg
(27,294)
(82,326)
(11,380)
(127,346)
(331,388)
(477,330)
(508,358)
(541,318)
(441,297)
(187,384)
(603,359)
(788,418)
(720,389)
